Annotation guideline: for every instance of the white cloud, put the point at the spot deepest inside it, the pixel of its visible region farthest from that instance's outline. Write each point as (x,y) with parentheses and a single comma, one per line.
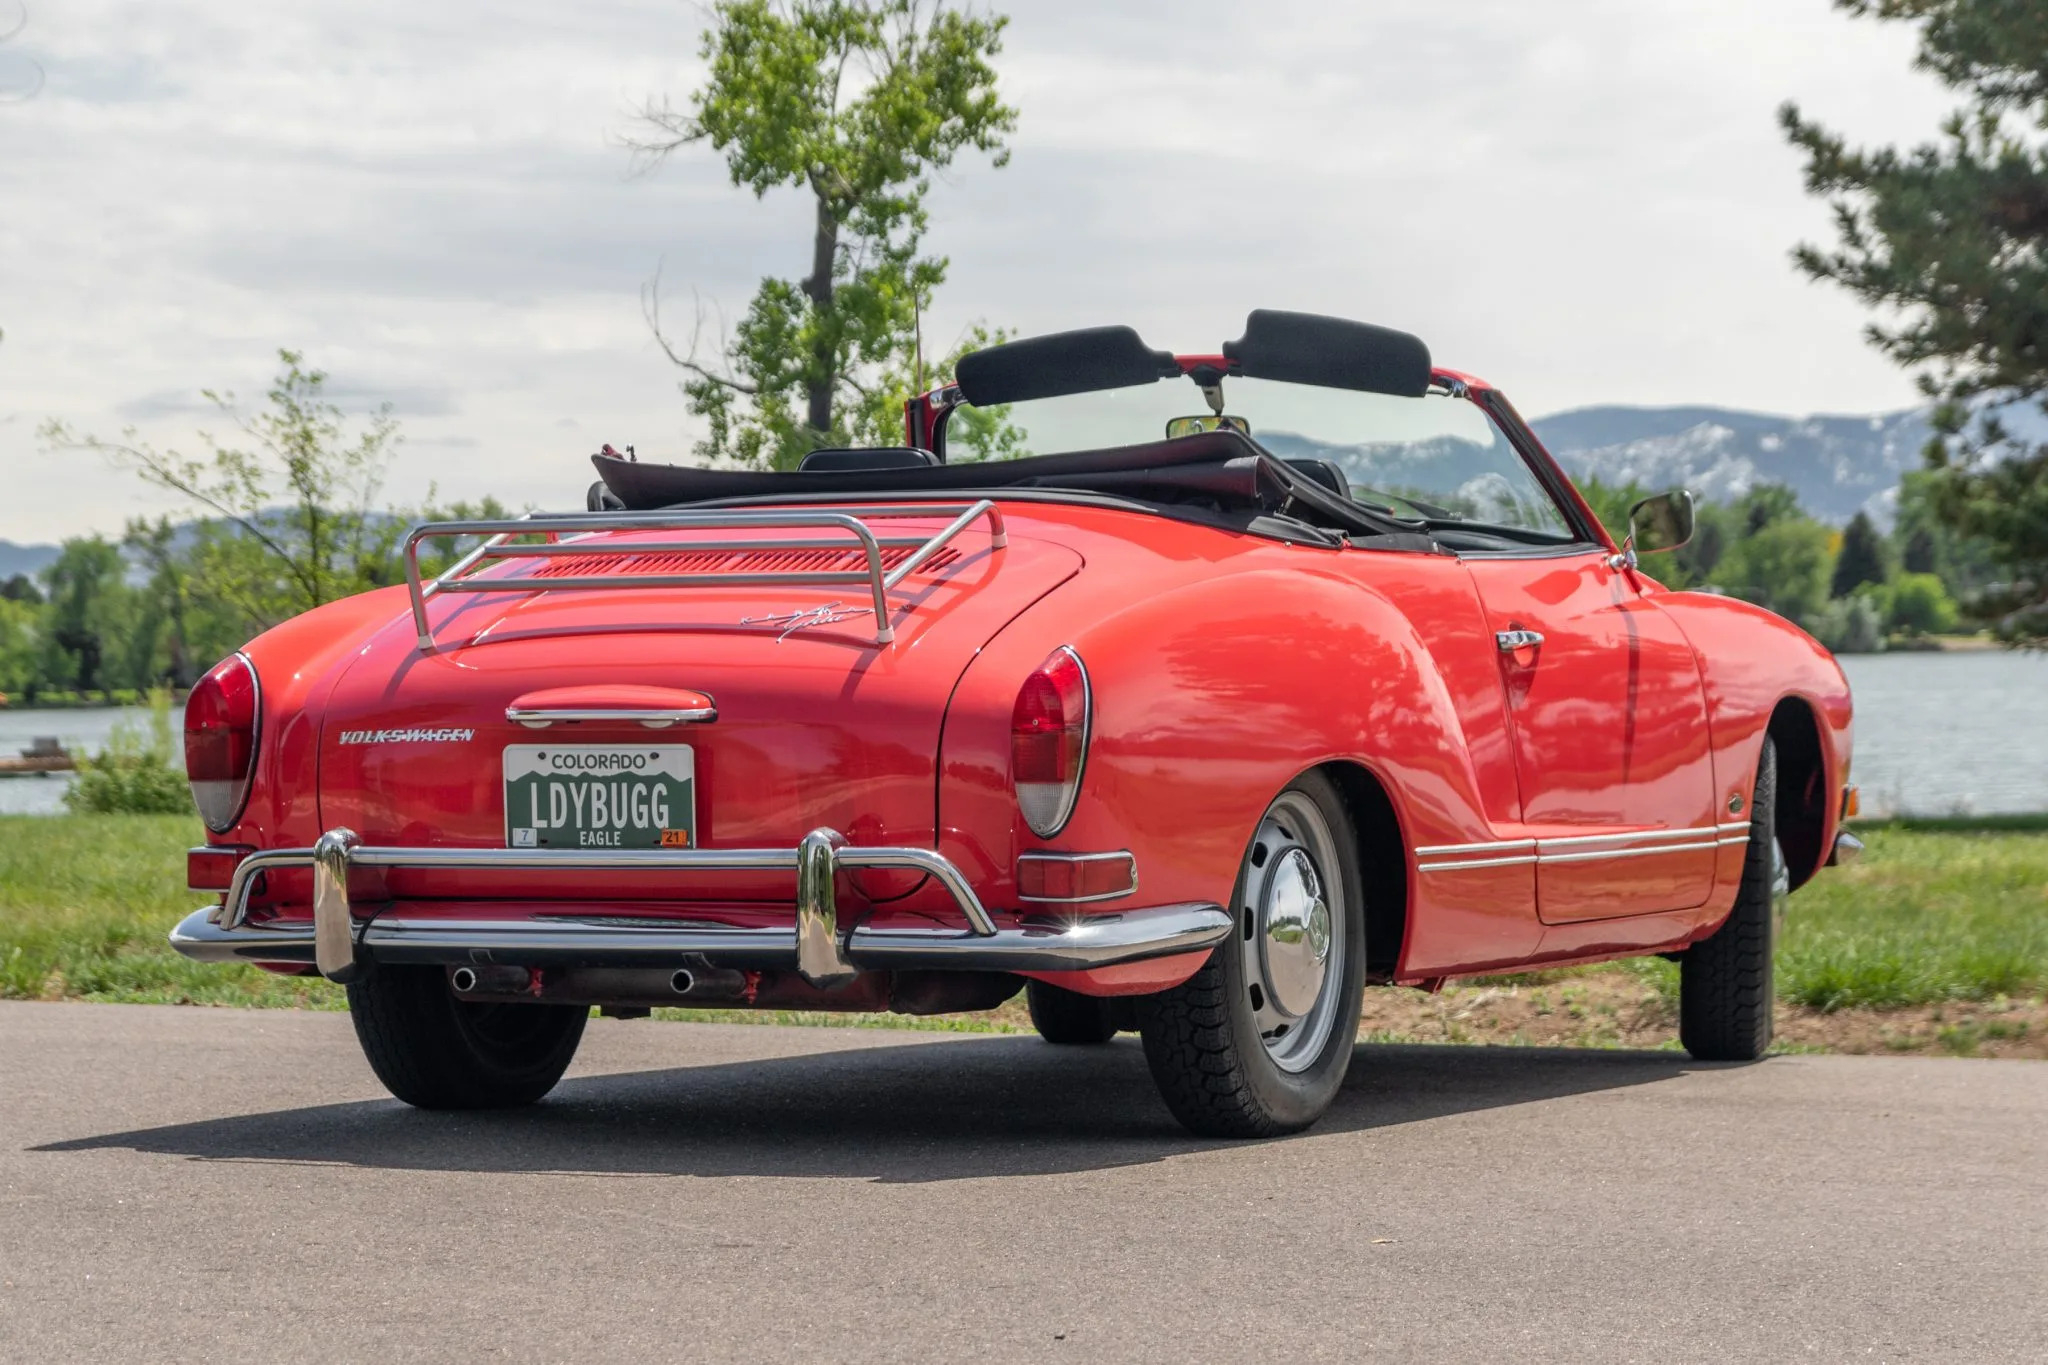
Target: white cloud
(1586,201)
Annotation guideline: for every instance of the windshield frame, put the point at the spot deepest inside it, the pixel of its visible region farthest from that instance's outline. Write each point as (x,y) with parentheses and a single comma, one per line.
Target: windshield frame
(926,416)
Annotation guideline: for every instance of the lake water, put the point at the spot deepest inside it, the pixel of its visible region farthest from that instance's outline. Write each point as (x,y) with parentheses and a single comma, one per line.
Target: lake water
(1936,734)
(84,730)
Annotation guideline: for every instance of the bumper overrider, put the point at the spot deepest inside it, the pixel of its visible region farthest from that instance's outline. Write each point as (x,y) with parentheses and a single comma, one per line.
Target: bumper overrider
(824,947)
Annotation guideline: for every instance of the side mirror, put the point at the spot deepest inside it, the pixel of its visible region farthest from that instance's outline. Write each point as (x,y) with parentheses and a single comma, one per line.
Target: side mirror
(1662,522)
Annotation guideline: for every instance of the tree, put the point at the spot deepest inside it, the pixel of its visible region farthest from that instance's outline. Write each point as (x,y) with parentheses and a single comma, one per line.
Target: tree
(88,614)
(21,588)
(299,496)
(858,102)
(1951,239)
(1862,558)
(1783,566)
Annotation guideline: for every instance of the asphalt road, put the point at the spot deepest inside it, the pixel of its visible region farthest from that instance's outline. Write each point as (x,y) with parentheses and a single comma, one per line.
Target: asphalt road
(226,1185)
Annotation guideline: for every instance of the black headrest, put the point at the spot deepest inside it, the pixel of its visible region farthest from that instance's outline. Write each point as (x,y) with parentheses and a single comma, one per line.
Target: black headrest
(1086,361)
(835,461)
(1337,353)
(1328,473)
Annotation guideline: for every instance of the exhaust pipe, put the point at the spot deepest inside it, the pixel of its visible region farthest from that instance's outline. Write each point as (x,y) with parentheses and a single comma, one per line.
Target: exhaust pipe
(698,982)
(491,980)
(708,983)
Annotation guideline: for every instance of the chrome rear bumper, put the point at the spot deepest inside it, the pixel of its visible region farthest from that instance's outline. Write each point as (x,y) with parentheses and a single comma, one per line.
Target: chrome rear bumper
(817,944)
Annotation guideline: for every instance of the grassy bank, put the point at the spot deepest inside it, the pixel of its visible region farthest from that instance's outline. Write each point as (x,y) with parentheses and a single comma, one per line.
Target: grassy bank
(1942,927)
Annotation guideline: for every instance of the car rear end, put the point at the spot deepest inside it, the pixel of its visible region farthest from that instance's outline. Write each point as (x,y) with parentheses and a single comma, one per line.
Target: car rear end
(664,759)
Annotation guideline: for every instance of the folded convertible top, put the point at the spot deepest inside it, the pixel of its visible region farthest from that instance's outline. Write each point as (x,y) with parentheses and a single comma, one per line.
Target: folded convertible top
(643,487)
(1218,467)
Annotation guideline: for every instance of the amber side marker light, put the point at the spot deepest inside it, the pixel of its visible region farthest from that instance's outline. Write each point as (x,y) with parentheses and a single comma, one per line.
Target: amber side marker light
(1851,806)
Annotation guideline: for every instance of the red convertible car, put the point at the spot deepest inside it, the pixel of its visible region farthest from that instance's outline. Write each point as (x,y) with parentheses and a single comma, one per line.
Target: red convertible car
(1193,724)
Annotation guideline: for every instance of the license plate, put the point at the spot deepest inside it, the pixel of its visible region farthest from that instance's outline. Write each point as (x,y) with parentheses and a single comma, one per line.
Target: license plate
(600,796)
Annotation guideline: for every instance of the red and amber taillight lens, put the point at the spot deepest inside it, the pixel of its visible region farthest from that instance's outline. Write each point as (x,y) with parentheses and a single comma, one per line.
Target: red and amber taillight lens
(221,720)
(1049,741)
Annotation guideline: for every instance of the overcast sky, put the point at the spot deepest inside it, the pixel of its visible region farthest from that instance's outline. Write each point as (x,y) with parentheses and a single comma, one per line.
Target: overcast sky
(1586,201)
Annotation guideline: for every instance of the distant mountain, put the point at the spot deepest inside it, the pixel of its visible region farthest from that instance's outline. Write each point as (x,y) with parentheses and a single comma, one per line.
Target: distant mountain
(1837,465)
(26,559)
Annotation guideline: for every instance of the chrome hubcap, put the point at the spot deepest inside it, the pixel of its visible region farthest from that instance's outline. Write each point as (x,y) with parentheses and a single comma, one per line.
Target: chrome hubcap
(1292,932)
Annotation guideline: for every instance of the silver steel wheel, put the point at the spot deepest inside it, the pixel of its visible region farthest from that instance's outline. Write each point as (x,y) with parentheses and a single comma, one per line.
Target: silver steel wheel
(1291,932)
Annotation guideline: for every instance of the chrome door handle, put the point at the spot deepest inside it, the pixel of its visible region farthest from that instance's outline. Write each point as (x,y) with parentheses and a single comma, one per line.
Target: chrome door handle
(1512,640)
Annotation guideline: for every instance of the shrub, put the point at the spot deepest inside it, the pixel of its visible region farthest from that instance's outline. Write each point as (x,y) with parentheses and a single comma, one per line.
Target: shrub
(134,774)
(1921,605)
(1851,625)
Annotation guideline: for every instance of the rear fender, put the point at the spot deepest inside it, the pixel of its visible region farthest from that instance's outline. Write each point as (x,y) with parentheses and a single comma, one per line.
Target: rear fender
(1208,699)
(297,664)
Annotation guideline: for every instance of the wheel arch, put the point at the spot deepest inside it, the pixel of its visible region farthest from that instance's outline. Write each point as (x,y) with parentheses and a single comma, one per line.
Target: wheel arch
(1801,818)
(1382,863)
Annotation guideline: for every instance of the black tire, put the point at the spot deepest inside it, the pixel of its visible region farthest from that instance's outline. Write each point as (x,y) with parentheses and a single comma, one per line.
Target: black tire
(1725,987)
(1217,1065)
(436,1052)
(1068,1018)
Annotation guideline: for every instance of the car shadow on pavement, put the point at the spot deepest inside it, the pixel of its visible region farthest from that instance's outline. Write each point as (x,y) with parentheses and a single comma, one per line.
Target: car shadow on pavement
(941,1111)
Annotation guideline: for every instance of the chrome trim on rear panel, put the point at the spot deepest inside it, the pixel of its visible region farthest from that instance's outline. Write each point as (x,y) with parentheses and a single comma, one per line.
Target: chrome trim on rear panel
(817,943)
(879,580)
(1024,943)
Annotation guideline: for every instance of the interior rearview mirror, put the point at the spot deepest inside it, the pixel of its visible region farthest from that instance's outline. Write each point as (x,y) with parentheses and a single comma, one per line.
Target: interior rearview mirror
(1177,427)
(1662,522)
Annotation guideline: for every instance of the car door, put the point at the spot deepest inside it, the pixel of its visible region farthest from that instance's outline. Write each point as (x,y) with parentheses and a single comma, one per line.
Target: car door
(1610,732)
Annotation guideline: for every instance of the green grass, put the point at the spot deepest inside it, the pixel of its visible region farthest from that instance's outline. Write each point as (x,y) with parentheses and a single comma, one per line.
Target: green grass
(85,903)
(1935,911)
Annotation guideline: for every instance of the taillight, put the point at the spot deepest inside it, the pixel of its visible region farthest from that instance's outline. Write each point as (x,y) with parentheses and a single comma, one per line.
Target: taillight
(221,719)
(1049,741)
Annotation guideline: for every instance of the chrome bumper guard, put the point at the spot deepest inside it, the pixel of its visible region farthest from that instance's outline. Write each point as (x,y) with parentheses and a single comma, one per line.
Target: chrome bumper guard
(1848,848)
(818,945)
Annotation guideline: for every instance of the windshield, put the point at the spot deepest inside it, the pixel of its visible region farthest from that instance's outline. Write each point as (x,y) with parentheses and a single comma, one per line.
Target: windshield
(1438,458)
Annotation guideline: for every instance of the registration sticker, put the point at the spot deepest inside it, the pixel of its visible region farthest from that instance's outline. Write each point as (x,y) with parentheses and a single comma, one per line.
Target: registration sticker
(600,796)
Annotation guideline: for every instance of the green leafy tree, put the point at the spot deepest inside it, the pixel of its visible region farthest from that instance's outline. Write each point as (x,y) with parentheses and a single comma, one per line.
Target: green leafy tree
(857,102)
(20,648)
(1861,559)
(21,588)
(298,489)
(1783,566)
(1951,240)
(89,613)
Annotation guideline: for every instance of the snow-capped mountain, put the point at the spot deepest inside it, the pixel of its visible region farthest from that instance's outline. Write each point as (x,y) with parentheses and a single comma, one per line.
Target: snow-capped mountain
(1837,465)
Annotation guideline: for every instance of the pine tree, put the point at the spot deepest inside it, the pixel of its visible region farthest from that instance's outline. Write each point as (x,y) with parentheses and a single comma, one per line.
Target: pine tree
(1862,558)
(1951,238)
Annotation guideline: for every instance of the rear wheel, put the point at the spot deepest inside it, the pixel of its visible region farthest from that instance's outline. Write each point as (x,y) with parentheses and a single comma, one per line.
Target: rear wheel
(1725,986)
(1069,1018)
(1257,1042)
(436,1052)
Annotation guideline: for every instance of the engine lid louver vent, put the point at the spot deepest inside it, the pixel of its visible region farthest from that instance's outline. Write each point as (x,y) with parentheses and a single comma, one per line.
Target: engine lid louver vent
(738,561)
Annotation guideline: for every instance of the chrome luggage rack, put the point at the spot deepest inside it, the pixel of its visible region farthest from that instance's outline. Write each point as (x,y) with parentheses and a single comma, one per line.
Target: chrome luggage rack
(878,578)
